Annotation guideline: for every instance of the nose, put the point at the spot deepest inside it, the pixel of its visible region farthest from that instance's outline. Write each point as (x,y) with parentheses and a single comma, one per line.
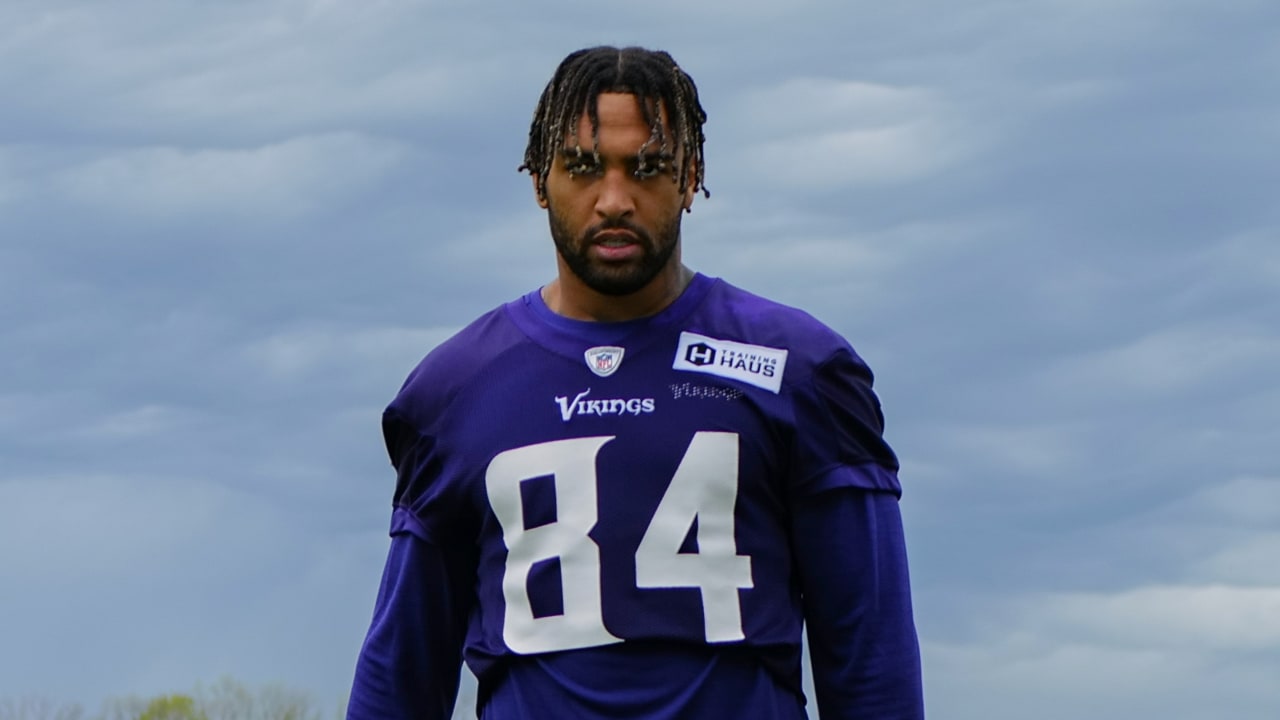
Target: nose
(616,199)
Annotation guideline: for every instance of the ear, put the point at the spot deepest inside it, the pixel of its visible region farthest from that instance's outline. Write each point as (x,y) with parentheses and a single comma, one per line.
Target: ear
(539,197)
(690,188)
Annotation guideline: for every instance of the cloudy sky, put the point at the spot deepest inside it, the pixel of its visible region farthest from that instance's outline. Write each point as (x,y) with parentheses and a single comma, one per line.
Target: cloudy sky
(229,229)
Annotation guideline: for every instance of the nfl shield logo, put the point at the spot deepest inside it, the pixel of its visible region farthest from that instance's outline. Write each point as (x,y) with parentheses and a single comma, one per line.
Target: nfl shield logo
(604,360)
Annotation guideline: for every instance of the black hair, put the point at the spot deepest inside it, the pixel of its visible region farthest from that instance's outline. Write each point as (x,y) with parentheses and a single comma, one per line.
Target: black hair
(656,81)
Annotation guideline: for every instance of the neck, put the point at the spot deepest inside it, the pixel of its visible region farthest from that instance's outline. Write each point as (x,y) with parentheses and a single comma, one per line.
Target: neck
(568,296)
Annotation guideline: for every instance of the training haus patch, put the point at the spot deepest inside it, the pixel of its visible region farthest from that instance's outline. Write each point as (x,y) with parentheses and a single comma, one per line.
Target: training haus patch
(752,364)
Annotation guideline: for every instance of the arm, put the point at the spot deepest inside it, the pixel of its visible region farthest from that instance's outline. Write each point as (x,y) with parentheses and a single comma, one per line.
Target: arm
(411,659)
(851,556)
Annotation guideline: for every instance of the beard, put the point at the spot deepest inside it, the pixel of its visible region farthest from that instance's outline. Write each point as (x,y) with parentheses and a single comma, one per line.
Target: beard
(615,279)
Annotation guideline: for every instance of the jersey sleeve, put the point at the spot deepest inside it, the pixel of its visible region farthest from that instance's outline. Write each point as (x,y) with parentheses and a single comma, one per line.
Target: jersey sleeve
(424,501)
(849,549)
(839,430)
(410,663)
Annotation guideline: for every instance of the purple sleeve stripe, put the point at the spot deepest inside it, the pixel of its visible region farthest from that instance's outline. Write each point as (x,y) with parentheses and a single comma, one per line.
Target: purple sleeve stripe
(868,476)
(404,521)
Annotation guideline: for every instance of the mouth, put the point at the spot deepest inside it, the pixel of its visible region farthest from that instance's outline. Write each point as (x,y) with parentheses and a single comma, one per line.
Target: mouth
(615,238)
(616,246)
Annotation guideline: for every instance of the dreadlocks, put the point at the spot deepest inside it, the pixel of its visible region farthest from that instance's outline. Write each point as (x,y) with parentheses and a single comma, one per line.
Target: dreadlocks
(656,81)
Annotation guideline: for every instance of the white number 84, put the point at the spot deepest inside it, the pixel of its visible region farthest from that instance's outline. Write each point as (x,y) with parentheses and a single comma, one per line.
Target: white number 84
(704,488)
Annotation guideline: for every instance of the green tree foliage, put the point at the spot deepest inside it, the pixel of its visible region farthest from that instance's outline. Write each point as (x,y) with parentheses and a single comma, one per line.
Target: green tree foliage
(231,700)
(173,707)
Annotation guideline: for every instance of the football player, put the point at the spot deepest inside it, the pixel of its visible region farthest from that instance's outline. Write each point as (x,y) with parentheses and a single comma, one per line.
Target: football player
(626,493)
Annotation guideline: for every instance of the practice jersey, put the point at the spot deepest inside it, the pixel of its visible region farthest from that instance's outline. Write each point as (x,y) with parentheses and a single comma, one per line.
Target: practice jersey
(624,486)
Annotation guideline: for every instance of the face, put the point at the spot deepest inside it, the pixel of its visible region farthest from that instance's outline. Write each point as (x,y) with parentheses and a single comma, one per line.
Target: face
(616,224)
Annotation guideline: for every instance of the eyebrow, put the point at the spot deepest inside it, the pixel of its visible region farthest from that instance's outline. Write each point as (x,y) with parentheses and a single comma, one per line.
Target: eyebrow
(569,153)
(651,156)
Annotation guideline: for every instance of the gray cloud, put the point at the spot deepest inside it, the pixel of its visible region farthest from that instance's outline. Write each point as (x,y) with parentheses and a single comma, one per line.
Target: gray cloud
(228,230)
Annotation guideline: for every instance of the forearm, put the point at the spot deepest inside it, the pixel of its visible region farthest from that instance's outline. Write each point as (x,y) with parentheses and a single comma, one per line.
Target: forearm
(851,555)
(410,663)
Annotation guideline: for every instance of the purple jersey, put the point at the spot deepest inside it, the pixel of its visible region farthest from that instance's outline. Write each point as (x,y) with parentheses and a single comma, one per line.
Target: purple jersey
(625,497)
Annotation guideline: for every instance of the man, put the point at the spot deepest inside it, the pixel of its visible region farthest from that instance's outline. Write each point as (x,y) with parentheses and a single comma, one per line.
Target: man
(621,495)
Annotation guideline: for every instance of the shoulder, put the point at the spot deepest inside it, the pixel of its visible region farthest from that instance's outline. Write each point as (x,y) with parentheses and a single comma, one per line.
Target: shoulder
(732,313)
(452,365)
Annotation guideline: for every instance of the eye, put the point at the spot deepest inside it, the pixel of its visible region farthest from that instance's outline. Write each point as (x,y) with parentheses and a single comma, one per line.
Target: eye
(650,169)
(583,165)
